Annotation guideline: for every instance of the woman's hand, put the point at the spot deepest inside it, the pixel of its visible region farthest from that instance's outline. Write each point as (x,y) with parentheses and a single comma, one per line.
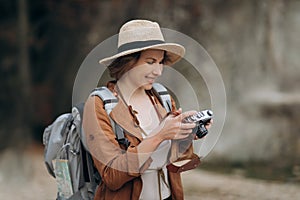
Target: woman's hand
(172,126)
(209,124)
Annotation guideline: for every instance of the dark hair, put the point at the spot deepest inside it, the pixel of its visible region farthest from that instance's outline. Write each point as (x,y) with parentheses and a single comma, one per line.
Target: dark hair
(166,58)
(123,64)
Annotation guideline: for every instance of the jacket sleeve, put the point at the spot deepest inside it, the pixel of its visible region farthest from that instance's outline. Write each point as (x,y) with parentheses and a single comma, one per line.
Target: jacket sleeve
(115,165)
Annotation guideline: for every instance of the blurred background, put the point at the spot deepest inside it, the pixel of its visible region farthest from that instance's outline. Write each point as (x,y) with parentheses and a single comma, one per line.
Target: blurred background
(255,45)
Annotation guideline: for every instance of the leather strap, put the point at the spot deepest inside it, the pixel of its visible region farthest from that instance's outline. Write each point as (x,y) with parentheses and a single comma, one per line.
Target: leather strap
(195,162)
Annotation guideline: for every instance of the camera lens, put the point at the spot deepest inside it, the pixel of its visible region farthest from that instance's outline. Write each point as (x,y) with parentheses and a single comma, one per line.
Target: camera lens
(209,112)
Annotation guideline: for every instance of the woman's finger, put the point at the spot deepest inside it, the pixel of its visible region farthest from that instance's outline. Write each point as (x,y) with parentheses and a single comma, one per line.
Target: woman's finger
(187,125)
(186,114)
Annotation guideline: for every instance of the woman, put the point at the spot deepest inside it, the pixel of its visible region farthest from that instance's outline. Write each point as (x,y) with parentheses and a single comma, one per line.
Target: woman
(160,144)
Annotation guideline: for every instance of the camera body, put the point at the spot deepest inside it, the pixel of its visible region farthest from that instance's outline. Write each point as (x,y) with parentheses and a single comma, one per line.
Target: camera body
(201,118)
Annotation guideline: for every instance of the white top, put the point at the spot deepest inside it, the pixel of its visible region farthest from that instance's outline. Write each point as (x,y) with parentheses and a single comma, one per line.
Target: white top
(151,187)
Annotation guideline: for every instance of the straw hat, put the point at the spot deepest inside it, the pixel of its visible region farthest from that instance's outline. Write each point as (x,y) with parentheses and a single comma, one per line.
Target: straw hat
(138,35)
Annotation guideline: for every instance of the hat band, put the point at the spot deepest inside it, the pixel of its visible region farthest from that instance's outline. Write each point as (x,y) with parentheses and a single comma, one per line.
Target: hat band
(138,44)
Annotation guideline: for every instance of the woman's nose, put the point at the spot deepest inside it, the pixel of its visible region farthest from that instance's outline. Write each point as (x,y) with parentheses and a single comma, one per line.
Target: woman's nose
(158,69)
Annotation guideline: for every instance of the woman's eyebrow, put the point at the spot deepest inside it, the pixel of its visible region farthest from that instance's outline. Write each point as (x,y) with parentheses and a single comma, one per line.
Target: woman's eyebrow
(154,59)
(150,58)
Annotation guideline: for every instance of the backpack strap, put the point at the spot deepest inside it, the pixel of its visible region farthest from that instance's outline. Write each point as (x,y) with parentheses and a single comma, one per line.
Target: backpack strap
(163,96)
(108,98)
(110,101)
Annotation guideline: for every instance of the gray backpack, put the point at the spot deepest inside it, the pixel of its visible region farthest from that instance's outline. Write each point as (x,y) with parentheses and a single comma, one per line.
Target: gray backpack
(66,155)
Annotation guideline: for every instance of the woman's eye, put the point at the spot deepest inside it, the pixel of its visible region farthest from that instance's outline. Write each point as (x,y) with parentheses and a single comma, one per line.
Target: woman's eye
(150,62)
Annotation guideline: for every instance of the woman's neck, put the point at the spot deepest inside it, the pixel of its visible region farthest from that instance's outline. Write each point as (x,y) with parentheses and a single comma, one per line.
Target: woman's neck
(129,91)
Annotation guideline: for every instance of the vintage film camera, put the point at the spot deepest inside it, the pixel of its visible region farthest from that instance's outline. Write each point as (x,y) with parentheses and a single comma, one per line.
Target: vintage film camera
(201,118)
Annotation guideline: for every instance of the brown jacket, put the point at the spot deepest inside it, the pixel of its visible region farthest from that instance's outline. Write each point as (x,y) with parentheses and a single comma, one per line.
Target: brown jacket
(119,168)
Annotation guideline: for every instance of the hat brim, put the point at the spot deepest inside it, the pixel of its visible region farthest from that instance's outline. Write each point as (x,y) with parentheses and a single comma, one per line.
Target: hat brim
(174,52)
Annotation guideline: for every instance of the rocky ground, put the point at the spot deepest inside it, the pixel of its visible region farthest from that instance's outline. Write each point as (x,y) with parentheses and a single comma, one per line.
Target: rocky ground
(210,186)
(198,184)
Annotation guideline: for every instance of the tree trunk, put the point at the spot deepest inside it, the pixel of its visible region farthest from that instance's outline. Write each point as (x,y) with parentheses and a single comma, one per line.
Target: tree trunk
(13,163)
(23,98)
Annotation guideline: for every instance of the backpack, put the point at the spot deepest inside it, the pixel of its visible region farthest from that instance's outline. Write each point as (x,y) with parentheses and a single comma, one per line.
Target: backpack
(66,155)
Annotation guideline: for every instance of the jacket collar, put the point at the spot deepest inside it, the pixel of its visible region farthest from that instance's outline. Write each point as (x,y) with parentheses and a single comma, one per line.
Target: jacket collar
(122,116)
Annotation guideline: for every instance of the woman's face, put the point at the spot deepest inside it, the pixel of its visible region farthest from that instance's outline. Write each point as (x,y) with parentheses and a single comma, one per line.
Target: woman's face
(145,71)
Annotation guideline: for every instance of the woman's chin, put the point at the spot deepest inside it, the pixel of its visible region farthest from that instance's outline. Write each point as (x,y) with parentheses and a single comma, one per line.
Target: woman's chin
(147,86)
